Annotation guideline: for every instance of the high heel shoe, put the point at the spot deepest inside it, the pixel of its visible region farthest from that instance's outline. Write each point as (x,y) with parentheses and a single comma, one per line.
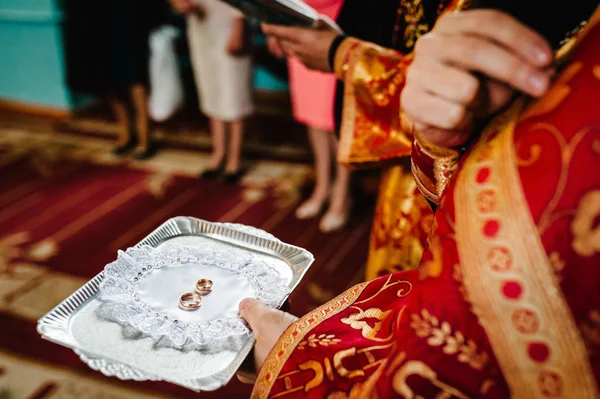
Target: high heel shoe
(331,223)
(310,209)
(211,174)
(126,148)
(146,154)
(234,177)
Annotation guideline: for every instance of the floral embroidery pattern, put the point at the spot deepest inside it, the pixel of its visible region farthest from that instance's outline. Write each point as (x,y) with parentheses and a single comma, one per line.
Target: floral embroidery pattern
(440,335)
(590,329)
(322,340)
(586,239)
(363,319)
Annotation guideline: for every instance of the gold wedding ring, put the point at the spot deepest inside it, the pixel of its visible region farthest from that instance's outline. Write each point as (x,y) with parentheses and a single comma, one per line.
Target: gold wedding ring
(190,301)
(204,286)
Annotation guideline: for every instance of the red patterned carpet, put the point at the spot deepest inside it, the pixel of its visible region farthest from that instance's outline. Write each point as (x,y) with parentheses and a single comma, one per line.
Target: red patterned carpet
(66,206)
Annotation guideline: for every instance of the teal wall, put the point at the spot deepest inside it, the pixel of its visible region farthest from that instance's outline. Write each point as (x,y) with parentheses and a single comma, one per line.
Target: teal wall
(31,53)
(32,65)
(265,81)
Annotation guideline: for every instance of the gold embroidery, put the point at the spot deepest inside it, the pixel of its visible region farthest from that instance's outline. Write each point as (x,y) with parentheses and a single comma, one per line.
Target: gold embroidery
(416,24)
(318,370)
(339,367)
(457,275)
(557,264)
(402,292)
(398,360)
(445,162)
(486,386)
(370,85)
(295,334)
(590,329)
(556,94)
(550,384)
(433,267)
(443,168)
(355,392)
(586,237)
(440,334)
(323,340)
(568,149)
(534,154)
(518,302)
(315,371)
(402,216)
(424,184)
(596,146)
(358,321)
(401,386)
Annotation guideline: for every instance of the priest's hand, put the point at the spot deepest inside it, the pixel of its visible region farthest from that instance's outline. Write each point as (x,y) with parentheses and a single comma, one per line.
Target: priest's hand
(309,45)
(268,325)
(467,68)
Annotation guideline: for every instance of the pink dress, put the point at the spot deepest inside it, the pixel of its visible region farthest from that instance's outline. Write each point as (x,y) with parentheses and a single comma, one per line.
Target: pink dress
(313,92)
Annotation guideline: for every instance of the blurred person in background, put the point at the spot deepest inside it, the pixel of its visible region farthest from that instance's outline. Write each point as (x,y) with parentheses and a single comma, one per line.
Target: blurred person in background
(367,113)
(373,132)
(220,52)
(107,53)
(313,94)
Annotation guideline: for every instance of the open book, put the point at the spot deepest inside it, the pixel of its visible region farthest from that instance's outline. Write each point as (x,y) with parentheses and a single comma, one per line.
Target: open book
(281,12)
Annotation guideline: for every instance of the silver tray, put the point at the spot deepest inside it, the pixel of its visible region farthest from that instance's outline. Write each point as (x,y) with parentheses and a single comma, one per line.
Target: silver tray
(58,325)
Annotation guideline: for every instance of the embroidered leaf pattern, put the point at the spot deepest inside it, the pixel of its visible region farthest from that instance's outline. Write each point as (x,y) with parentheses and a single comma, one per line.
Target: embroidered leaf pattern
(428,326)
(321,340)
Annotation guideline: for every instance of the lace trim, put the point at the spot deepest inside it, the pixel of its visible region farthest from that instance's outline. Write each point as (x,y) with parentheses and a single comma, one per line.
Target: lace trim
(122,303)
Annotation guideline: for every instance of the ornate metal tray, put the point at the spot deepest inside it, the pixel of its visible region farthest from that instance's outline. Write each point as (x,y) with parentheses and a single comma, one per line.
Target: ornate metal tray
(102,346)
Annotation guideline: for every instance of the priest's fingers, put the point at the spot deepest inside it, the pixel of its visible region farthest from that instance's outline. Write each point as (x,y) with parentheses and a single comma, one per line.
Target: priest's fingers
(439,121)
(446,81)
(474,53)
(501,28)
(425,107)
(493,96)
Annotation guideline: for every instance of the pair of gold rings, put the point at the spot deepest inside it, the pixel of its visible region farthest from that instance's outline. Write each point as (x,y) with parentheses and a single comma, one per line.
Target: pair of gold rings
(193,300)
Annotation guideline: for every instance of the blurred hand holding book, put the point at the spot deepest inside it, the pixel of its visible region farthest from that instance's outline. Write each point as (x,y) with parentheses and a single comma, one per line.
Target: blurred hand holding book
(282,12)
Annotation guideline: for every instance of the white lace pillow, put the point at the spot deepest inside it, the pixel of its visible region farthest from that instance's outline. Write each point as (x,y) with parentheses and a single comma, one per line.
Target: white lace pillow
(121,287)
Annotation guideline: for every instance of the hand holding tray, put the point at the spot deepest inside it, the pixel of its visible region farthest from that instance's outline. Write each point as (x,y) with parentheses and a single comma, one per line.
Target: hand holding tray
(105,346)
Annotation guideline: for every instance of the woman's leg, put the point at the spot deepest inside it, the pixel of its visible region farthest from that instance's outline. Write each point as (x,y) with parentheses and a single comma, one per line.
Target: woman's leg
(217,131)
(119,109)
(236,140)
(125,141)
(339,207)
(320,145)
(142,120)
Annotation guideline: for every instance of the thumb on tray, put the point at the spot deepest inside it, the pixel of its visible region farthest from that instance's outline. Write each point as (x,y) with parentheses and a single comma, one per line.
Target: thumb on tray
(267,324)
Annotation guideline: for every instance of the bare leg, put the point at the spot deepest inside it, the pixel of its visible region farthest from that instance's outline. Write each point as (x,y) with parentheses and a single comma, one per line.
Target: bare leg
(235,147)
(320,145)
(120,112)
(142,120)
(217,131)
(339,209)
